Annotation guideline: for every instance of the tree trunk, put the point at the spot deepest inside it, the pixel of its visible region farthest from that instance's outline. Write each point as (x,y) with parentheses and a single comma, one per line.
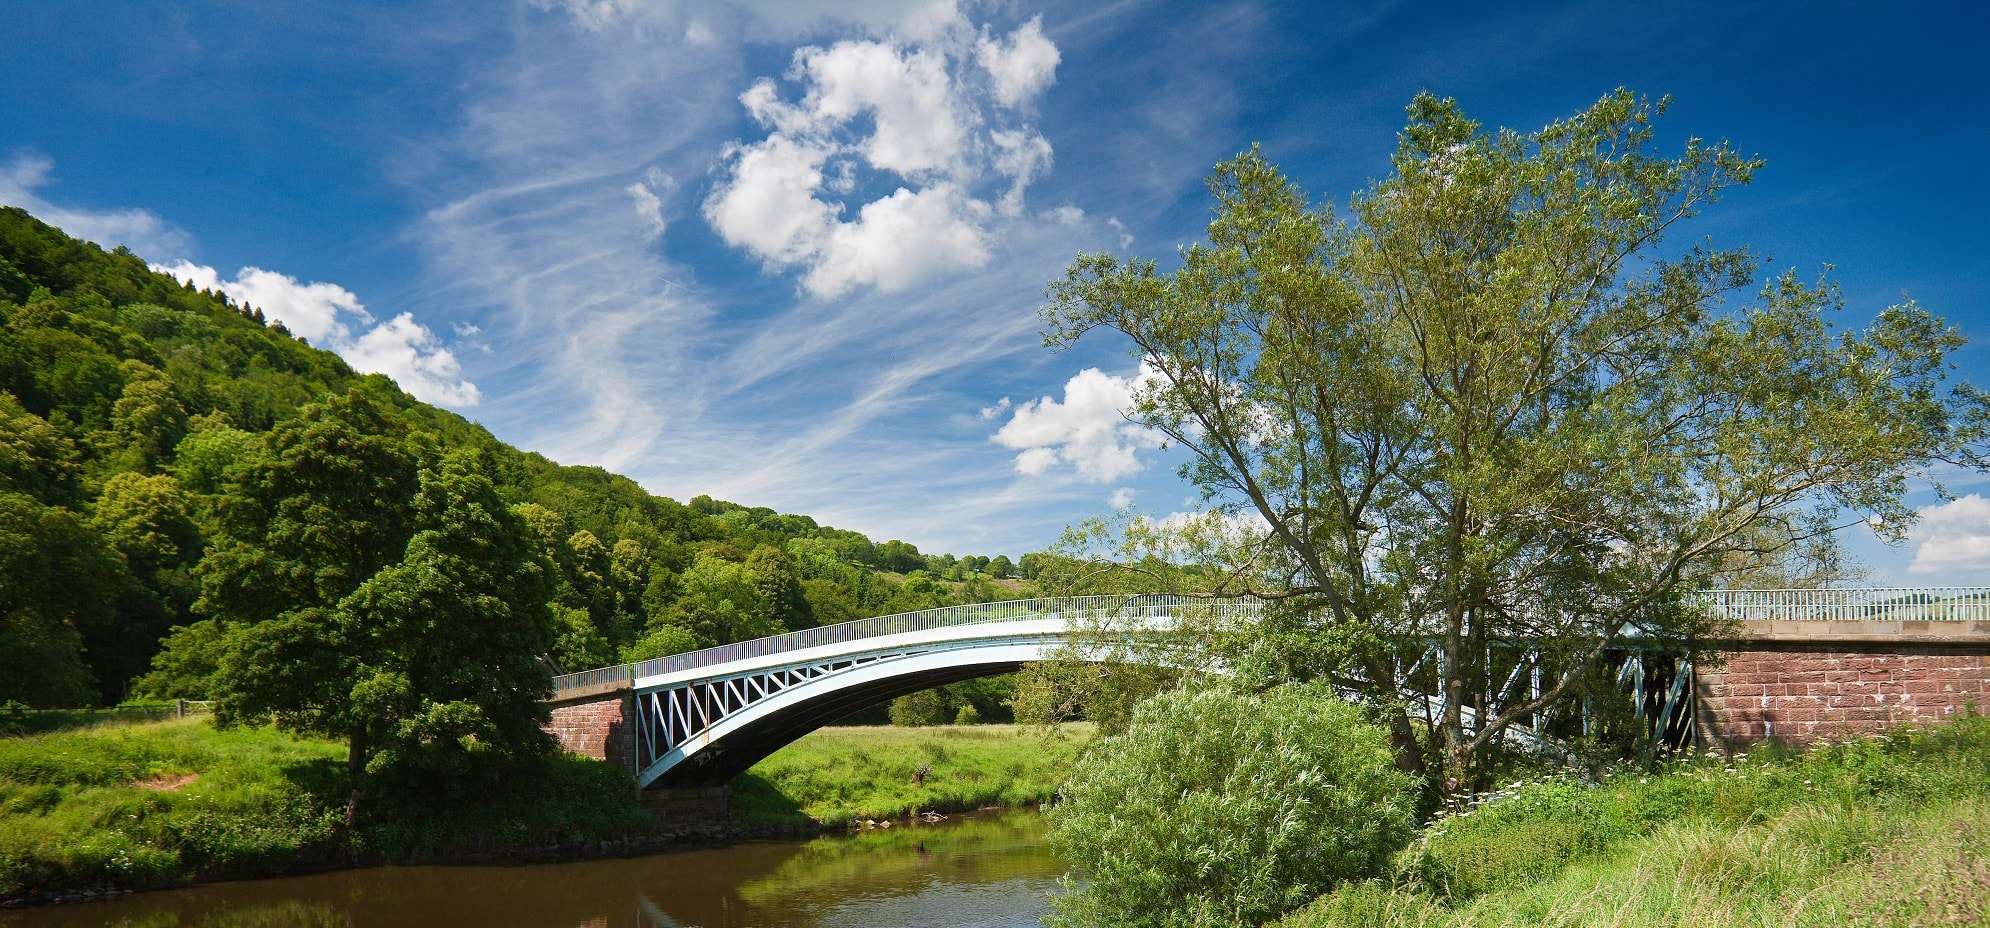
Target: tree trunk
(355,768)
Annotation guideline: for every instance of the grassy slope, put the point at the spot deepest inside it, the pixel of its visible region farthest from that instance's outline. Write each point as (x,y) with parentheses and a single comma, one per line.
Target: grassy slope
(838,774)
(137,806)
(1894,831)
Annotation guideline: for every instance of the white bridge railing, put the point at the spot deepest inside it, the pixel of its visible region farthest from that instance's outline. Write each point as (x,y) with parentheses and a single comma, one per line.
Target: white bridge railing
(1873,604)
(1934,603)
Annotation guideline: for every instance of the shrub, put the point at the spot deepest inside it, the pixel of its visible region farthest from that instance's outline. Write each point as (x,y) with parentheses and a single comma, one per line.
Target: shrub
(925,707)
(1220,808)
(968,715)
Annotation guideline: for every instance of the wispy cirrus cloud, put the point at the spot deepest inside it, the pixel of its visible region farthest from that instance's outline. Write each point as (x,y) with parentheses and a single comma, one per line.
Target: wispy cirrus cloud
(593,207)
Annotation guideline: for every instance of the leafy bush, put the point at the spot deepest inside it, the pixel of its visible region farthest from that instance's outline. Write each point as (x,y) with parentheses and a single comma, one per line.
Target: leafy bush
(968,715)
(926,707)
(1220,808)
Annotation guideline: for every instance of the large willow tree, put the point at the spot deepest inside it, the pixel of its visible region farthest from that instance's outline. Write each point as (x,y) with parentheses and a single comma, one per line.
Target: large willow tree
(1494,402)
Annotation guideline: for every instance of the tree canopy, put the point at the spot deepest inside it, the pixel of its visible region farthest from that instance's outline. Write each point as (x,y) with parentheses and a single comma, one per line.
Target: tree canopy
(1493,401)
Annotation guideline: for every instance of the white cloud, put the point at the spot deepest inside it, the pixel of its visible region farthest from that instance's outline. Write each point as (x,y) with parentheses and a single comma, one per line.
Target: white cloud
(410,353)
(591,14)
(141,230)
(312,310)
(997,408)
(904,239)
(647,197)
(1952,537)
(895,105)
(1087,430)
(1020,67)
(326,313)
(1120,498)
(916,127)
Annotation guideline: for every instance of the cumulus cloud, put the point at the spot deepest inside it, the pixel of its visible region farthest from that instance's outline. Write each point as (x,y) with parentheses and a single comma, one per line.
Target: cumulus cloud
(1087,430)
(1120,498)
(22,180)
(327,314)
(1022,65)
(994,409)
(1952,537)
(313,310)
(410,353)
(897,106)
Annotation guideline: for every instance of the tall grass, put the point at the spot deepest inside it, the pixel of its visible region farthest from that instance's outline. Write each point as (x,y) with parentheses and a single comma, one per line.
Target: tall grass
(140,806)
(879,772)
(1889,831)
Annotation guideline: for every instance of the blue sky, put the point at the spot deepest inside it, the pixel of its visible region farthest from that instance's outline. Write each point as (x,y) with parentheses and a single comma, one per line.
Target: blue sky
(788,252)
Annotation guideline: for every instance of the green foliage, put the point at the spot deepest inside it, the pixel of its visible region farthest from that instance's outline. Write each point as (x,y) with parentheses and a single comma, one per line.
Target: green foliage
(57,580)
(721,601)
(967,714)
(926,707)
(432,664)
(1506,404)
(187,662)
(150,805)
(1221,808)
(838,774)
(1886,831)
(662,641)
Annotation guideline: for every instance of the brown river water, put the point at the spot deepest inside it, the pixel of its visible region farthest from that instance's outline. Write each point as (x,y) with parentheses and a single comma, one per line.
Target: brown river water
(981,871)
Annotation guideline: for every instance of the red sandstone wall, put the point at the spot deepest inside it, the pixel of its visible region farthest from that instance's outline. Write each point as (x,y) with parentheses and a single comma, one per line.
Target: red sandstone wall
(1801,696)
(593,729)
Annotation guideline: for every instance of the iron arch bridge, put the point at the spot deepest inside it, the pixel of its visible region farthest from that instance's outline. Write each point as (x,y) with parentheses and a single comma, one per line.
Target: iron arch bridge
(703,717)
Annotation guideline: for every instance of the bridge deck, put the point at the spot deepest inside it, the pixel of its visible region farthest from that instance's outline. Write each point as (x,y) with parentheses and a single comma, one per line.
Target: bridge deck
(1928,614)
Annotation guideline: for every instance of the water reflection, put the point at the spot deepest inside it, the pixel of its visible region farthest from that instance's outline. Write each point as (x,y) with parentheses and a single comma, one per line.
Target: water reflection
(981,871)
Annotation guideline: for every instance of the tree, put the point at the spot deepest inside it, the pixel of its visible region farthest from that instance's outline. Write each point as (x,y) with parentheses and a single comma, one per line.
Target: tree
(202,459)
(57,581)
(662,640)
(1001,567)
(324,506)
(777,579)
(721,602)
(149,522)
(1486,408)
(1221,808)
(926,707)
(148,419)
(188,663)
(432,661)
(35,459)
(900,556)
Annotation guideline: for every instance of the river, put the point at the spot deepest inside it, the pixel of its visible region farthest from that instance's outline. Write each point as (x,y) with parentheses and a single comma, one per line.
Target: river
(979,871)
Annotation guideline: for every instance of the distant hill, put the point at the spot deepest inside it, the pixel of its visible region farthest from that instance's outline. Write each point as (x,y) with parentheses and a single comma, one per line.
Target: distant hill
(126,397)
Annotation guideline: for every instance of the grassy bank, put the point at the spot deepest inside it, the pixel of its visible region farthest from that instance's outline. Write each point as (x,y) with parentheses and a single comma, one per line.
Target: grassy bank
(147,805)
(141,806)
(835,775)
(1891,831)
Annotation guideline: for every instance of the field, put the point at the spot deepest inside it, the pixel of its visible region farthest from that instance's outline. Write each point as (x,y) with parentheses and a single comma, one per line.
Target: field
(1891,831)
(837,775)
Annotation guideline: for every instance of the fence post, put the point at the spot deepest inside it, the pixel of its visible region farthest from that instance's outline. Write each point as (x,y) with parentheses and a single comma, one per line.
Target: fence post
(179,708)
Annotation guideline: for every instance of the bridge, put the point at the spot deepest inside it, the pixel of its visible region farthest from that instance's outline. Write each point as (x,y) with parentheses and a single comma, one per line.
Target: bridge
(1819,662)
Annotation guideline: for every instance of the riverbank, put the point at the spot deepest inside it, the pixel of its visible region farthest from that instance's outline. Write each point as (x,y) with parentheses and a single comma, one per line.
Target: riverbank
(839,775)
(122,807)
(1889,831)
